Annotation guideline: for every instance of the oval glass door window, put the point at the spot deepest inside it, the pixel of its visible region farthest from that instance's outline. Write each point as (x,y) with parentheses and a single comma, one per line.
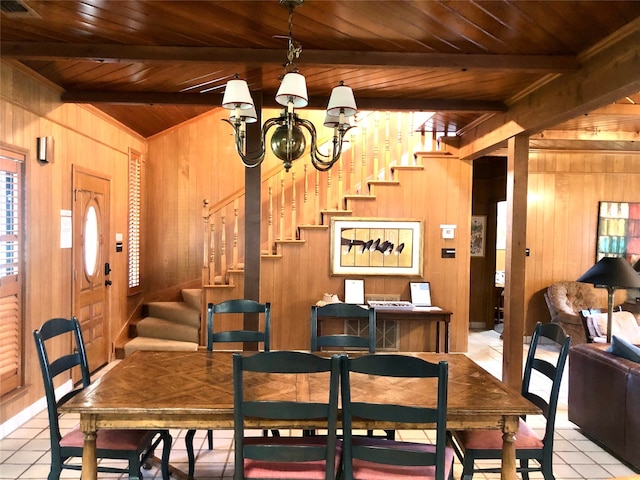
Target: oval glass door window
(91,245)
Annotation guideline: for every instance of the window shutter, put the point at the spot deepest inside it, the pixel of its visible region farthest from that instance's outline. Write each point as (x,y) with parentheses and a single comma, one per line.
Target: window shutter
(10,258)
(135,170)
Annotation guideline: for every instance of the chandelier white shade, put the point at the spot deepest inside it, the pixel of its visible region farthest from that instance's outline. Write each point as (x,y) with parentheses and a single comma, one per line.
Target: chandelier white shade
(236,95)
(342,101)
(293,89)
(247,115)
(288,140)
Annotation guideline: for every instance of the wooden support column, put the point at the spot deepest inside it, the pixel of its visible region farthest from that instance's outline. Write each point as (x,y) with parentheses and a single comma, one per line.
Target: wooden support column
(253,186)
(517,174)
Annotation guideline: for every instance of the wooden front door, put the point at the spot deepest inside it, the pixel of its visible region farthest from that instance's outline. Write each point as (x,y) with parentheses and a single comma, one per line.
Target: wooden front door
(91,263)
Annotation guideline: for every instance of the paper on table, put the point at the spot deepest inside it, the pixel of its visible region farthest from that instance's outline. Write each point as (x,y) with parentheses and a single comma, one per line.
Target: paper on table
(427,309)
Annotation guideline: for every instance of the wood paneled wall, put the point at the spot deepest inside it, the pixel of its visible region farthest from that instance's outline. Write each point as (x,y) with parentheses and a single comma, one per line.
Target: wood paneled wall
(30,109)
(564,191)
(187,164)
(439,194)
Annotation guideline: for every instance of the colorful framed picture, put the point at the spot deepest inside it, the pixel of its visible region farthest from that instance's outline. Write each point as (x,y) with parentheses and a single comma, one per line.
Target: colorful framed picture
(619,231)
(365,246)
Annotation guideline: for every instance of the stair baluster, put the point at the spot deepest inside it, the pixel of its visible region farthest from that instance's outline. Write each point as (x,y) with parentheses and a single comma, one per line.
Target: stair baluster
(270,222)
(294,212)
(387,146)
(235,234)
(281,229)
(223,250)
(205,243)
(316,203)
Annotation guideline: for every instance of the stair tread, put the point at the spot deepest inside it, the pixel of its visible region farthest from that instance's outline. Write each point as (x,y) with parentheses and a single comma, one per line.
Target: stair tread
(157,344)
(162,328)
(178,312)
(193,298)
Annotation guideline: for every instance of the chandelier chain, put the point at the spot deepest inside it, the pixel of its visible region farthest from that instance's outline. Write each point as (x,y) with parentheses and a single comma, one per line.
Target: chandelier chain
(294,48)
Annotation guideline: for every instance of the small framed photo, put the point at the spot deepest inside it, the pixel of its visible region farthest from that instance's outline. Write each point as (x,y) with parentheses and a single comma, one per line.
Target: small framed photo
(354,291)
(420,294)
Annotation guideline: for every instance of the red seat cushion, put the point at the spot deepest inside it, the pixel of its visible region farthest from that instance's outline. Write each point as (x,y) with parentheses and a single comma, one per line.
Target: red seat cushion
(526,438)
(109,439)
(375,471)
(294,470)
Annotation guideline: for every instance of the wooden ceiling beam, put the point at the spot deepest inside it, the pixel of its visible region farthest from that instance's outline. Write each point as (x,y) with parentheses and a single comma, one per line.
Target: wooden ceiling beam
(607,74)
(596,135)
(251,56)
(215,100)
(616,109)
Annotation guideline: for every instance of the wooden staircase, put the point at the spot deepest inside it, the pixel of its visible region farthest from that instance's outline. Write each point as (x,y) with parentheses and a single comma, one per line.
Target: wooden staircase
(297,209)
(171,326)
(382,143)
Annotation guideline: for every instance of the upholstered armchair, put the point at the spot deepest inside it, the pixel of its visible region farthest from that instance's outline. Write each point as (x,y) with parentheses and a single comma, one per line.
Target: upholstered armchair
(565,300)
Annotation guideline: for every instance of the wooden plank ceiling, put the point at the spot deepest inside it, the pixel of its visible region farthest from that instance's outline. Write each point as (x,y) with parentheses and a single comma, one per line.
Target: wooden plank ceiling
(154,64)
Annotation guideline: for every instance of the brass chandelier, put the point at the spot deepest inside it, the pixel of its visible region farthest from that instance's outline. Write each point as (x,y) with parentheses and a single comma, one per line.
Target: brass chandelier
(288,141)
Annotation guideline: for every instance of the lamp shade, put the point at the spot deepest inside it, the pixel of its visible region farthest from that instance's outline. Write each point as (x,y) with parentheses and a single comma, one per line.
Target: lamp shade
(236,95)
(293,88)
(331,121)
(612,272)
(248,116)
(342,99)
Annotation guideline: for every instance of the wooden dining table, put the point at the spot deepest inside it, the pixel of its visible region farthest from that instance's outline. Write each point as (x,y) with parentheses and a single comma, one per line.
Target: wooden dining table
(194,390)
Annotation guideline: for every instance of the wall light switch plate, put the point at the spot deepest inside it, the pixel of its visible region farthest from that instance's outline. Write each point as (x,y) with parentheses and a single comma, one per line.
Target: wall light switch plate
(448,233)
(448,253)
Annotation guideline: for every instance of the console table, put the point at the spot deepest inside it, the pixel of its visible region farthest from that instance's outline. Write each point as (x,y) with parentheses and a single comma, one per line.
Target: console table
(421,314)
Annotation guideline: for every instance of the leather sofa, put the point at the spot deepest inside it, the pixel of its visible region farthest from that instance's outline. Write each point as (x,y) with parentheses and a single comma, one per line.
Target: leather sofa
(604,399)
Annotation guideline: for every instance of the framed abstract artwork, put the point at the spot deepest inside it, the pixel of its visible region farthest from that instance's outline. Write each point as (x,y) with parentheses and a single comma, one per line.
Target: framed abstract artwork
(619,231)
(363,246)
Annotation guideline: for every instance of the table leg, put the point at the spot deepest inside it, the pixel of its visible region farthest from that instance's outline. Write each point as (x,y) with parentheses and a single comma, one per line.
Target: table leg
(446,336)
(89,459)
(437,336)
(509,430)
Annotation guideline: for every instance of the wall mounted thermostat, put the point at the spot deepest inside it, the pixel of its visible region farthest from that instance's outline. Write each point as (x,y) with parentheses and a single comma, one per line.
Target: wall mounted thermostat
(119,238)
(448,231)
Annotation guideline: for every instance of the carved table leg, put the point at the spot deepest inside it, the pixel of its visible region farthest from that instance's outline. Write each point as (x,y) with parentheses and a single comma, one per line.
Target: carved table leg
(509,431)
(89,459)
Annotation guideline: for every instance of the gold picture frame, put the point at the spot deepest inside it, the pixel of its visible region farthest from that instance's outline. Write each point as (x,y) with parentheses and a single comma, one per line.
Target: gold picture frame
(375,246)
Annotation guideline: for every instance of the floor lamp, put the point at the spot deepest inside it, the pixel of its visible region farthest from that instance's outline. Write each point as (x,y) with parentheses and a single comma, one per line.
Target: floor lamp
(611,273)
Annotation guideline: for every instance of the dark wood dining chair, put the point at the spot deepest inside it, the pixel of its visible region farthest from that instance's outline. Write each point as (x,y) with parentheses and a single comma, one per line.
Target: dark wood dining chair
(134,446)
(237,335)
(366,458)
(346,311)
(472,445)
(264,398)
(240,334)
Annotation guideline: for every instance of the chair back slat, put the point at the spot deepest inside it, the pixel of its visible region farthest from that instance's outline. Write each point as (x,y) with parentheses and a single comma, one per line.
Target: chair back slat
(284,410)
(394,456)
(285,453)
(393,413)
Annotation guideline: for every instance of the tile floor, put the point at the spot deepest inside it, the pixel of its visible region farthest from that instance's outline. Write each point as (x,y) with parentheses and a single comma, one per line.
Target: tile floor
(24,453)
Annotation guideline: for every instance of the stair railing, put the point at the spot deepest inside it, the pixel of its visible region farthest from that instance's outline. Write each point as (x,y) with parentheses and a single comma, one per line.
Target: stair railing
(299,197)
